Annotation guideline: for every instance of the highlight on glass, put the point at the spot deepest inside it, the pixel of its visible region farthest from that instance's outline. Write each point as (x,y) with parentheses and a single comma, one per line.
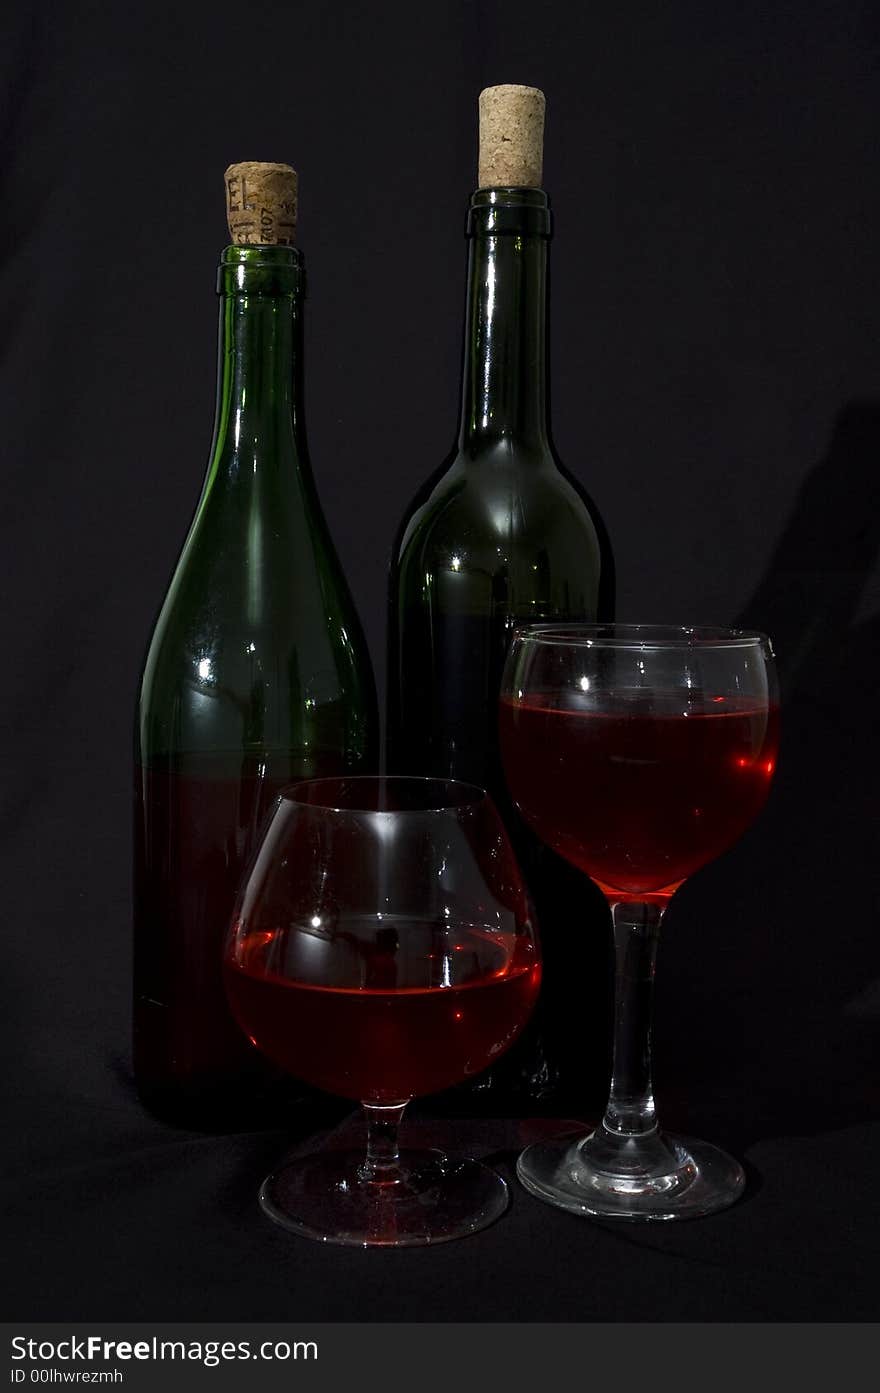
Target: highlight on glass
(383,949)
(639,753)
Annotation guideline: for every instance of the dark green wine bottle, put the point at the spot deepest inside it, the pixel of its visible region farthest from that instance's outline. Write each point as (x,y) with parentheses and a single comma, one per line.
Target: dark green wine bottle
(257,675)
(502,535)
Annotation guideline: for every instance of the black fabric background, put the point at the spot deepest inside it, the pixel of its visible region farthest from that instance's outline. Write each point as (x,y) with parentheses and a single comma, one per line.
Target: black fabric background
(716,385)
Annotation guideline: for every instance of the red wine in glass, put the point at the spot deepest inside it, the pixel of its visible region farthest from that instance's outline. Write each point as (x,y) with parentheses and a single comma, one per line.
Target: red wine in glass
(639,753)
(383,948)
(404,1023)
(639,798)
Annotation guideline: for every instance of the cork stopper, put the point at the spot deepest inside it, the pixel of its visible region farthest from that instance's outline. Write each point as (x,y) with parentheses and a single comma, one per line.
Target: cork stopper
(261,204)
(511,137)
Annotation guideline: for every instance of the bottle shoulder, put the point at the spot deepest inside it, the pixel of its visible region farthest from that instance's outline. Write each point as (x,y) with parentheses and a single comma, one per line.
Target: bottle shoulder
(523,504)
(243,551)
(256,598)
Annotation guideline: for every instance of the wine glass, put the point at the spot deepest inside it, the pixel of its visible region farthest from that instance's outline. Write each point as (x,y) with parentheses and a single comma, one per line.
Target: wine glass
(382,949)
(639,753)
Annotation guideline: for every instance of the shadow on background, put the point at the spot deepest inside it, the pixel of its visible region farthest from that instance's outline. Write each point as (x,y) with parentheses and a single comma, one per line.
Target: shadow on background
(782,1008)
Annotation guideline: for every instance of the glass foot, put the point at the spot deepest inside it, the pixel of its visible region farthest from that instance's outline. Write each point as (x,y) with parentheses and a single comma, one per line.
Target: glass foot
(323,1197)
(647,1177)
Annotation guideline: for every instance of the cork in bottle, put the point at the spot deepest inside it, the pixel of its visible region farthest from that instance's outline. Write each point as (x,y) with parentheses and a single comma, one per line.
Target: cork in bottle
(511,137)
(261,204)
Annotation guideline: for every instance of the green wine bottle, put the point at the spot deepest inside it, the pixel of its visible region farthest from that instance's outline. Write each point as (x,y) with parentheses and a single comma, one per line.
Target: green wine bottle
(257,673)
(502,535)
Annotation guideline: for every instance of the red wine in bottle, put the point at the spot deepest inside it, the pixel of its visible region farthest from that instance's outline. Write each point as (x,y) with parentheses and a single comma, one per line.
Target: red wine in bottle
(502,535)
(257,674)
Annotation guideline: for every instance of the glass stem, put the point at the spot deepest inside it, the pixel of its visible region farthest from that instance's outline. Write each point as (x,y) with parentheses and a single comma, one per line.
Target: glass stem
(630,1111)
(381,1165)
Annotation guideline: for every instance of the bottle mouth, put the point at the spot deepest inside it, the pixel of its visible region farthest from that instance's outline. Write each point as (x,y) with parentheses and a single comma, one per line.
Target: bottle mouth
(511,196)
(513,211)
(257,255)
(258,270)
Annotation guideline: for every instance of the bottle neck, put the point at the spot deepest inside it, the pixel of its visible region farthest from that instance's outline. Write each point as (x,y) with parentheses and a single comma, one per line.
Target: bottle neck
(504,388)
(260,357)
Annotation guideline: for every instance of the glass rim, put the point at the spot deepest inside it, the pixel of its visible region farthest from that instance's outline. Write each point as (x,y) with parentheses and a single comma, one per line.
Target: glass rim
(471,795)
(642,636)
